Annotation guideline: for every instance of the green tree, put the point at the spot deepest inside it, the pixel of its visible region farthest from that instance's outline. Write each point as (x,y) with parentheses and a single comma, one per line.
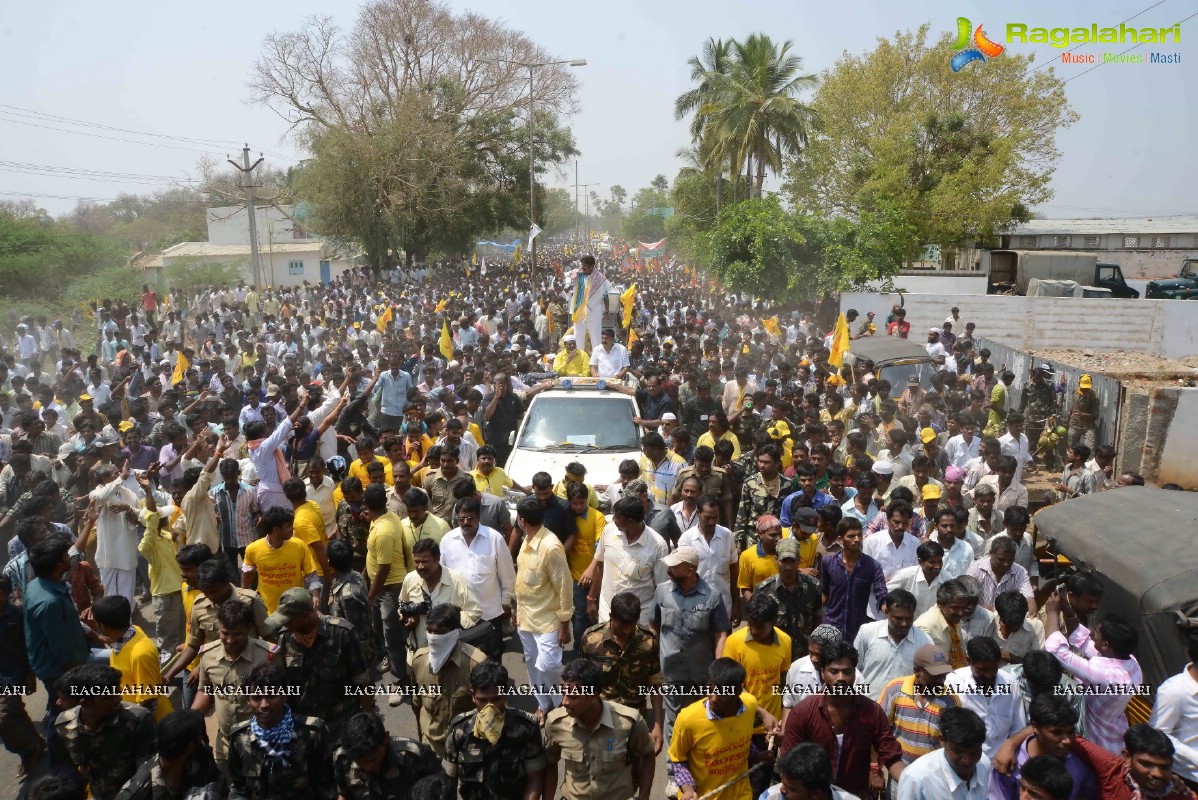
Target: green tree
(646,217)
(960,155)
(760,249)
(39,255)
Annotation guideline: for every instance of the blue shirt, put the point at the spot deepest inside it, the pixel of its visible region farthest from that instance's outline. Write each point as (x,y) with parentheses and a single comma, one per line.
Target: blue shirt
(53,632)
(820,500)
(848,595)
(393,391)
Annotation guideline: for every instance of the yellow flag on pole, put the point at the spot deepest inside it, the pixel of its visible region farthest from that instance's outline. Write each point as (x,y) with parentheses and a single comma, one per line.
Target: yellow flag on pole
(772,326)
(627,299)
(441,305)
(474,260)
(384,320)
(181,367)
(632,337)
(446,340)
(840,342)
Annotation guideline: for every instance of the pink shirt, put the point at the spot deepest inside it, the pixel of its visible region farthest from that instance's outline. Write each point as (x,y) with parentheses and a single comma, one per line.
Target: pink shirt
(1105,719)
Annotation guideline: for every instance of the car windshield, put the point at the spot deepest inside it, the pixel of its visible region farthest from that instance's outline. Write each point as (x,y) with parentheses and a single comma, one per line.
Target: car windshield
(898,374)
(579,423)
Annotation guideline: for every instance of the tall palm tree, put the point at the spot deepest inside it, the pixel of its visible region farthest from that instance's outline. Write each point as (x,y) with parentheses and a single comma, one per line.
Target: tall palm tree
(714,60)
(751,110)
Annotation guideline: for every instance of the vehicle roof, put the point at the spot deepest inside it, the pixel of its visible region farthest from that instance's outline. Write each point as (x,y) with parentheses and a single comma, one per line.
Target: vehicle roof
(1141,540)
(557,391)
(882,349)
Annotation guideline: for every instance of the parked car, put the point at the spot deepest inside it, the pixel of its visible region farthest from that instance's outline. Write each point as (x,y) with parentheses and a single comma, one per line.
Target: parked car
(1184,286)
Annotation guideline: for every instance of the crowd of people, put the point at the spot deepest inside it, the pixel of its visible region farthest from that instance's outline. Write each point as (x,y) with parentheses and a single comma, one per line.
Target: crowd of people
(286,508)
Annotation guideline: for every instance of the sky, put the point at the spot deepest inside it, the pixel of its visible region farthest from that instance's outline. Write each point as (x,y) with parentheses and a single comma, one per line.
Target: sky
(180,71)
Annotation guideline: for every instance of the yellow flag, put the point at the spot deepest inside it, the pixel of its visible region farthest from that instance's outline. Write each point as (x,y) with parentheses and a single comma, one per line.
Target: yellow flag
(384,320)
(772,326)
(441,305)
(632,337)
(516,255)
(840,342)
(474,260)
(181,367)
(446,341)
(627,299)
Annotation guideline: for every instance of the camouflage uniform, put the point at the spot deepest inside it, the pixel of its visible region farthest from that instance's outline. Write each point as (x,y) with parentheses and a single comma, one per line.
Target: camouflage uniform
(253,777)
(756,502)
(1038,403)
(217,672)
(405,763)
(199,774)
(354,531)
(324,670)
(798,610)
(624,671)
(108,757)
(493,772)
(436,711)
(348,600)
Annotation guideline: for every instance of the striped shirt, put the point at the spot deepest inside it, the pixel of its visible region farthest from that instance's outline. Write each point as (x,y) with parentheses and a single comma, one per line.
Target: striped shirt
(914,719)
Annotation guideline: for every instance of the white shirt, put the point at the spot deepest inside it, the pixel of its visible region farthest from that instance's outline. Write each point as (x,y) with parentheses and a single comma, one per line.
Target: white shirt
(881,659)
(715,558)
(1014,495)
(635,568)
(957,559)
(732,393)
(609,362)
(1017,449)
(486,564)
(912,579)
(116,536)
(802,681)
(1176,714)
(1002,711)
(323,495)
(930,777)
(960,452)
(685,522)
(936,349)
(880,547)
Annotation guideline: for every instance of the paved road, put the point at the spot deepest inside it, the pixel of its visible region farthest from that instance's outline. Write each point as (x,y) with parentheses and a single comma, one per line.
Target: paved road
(400,721)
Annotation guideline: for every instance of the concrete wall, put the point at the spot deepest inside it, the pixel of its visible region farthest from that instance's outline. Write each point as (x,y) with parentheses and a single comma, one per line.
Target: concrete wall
(1167,328)
(1143,262)
(231,225)
(1178,439)
(276,267)
(939,283)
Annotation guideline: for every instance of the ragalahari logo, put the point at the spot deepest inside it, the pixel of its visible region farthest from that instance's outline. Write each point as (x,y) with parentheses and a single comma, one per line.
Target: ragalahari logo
(981,50)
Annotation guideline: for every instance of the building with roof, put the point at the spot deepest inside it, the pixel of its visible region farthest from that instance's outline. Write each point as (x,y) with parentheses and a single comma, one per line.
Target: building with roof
(1143,247)
(288,254)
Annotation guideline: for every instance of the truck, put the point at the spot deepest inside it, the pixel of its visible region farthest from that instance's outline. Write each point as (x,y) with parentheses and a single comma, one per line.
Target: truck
(1014,269)
(1183,286)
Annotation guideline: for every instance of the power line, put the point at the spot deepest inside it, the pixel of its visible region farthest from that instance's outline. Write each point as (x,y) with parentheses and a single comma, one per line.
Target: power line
(102,136)
(1128,50)
(70,120)
(1083,44)
(138,180)
(58,196)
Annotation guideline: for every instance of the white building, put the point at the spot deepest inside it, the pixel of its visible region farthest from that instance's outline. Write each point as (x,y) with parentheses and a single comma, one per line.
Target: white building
(288,255)
(1144,248)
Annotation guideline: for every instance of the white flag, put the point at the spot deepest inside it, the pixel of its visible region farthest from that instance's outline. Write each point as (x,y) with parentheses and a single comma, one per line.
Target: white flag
(483,262)
(532,232)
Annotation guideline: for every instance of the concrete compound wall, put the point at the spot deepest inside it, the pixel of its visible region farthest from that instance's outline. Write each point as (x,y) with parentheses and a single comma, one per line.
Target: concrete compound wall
(1172,438)
(1168,328)
(941,283)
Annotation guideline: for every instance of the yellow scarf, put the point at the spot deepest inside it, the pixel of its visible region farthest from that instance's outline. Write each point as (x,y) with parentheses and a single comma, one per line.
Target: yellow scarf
(488,723)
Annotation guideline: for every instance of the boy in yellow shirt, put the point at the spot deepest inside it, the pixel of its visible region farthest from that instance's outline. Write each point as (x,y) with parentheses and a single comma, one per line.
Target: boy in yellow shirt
(278,562)
(159,547)
(580,552)
(133,655)
(308,527)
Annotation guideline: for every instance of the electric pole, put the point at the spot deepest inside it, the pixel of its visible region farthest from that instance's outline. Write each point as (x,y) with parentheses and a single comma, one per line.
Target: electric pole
(247,183)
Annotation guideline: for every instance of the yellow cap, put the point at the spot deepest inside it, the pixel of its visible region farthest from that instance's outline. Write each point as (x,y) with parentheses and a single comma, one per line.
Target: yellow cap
(926,435)
(931,492)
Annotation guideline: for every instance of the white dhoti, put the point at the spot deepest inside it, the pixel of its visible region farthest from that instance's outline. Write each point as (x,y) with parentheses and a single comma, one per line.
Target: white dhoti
(589,327)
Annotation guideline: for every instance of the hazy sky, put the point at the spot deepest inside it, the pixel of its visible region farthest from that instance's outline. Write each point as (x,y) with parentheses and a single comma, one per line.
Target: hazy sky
(180,70)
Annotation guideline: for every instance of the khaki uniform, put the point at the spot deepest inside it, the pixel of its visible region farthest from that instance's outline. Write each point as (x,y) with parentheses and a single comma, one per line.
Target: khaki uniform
(307,777)
(325,670)
(219,675)
(627,669)
(598,763)
(405,763)
(438,710)
(110,756)
(204,626)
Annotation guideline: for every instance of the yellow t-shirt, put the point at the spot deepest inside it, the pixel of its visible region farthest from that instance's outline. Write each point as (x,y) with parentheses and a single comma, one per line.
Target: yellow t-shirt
(560,490)
(138,664)
(279,570)
(588,530)
(358,470)
(477,433)
(707,440)
(715,750)
(387,546)
(494,483)
(309,529)
(433,528)
(576,365)
(159,550)
(765,666)
(755,566)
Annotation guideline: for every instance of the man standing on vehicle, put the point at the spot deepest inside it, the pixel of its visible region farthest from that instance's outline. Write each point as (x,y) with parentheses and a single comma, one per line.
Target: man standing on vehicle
(588,296)
(610,358)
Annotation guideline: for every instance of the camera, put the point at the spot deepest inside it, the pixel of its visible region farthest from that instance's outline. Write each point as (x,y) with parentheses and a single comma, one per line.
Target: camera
(408,609)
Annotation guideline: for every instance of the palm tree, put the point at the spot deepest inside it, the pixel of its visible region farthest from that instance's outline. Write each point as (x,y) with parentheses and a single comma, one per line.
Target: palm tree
(714,60)
(751,111)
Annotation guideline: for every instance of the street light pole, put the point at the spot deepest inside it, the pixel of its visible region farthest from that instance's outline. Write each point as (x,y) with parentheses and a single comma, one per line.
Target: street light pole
(532,183)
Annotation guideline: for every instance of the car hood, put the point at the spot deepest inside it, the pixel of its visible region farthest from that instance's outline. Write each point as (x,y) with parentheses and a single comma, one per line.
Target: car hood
(602,467)
(1172,283)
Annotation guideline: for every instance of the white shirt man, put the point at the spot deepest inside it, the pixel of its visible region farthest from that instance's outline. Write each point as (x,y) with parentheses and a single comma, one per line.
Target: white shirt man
(882,658)
(1176,714)
(610,362)
(960,452)
(1001,708)
(931,777)
(716,557)
(630,567)
(915,581)
(486,564)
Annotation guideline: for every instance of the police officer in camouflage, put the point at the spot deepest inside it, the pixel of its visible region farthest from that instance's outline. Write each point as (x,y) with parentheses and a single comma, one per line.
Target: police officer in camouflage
(323,656)
(628,655)
(278,754)
(184,766)
(370,765)
(494,752)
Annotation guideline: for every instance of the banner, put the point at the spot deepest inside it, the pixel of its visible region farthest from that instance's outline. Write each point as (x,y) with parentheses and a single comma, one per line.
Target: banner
(507,248)
(652,247)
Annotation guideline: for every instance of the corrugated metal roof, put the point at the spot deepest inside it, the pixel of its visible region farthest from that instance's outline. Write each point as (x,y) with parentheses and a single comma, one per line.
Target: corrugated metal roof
(1129,225)
(206,249)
